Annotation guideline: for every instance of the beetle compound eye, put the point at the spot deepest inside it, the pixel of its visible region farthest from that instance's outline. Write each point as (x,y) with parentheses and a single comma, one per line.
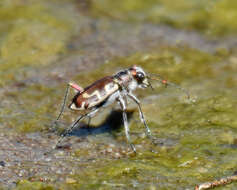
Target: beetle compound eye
(140,76)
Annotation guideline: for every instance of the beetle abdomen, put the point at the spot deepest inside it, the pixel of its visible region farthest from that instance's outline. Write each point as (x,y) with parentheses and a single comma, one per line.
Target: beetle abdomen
(94,94)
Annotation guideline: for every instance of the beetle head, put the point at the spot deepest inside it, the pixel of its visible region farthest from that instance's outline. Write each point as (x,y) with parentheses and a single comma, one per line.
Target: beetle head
(139,76)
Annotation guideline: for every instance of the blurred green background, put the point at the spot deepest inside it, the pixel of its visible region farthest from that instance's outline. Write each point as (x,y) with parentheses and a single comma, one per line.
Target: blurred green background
(45,44)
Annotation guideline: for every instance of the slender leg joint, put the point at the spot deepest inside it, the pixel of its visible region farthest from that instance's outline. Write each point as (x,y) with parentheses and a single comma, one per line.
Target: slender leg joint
(74,125)
(76,87)
(134,98)
(125,120)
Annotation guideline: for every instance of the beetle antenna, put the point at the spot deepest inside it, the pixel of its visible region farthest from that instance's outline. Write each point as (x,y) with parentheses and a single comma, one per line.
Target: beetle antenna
(166,83)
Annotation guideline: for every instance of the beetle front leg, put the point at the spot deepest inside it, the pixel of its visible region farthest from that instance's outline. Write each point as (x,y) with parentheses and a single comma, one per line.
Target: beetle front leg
(125,120)
(134,98)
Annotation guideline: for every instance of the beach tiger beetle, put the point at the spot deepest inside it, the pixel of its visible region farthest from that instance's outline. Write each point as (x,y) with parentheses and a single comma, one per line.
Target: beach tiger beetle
(110,89)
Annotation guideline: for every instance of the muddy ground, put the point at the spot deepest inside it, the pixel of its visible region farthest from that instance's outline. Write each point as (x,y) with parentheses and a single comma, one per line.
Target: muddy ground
(194,140)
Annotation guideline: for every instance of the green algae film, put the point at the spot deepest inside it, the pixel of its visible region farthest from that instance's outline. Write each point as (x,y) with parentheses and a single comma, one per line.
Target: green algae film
(203,133)
(211,17)
(195,141)
(33,33)
(27,185)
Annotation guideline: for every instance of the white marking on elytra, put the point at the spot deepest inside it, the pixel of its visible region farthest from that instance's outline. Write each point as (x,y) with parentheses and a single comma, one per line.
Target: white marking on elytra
(110,88)
(83,105)
(96,92)
(73,107)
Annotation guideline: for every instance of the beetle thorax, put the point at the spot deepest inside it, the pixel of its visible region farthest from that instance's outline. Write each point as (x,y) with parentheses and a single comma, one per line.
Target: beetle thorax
(125,79)
(132,84)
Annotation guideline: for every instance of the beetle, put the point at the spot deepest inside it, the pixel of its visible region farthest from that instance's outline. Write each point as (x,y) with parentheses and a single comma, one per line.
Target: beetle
(110,89)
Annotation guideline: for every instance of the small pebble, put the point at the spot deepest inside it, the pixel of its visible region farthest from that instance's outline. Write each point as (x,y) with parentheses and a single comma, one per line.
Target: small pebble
(112,145)
(2,163)
(70,180)
(48,159)
(117,155)
(21,173)
(109,150)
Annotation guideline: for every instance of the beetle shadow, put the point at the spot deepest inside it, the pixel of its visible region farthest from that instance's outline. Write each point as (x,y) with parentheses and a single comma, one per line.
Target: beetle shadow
(113,122)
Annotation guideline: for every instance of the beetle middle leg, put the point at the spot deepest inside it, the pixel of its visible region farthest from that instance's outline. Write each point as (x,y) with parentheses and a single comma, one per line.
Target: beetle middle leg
(134,98)
(89,121)
(125,120)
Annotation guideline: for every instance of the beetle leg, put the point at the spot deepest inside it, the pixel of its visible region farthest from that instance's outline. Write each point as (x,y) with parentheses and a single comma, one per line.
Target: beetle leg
(89,121)
(64,102)
(90,115)
(125,120)
(125,100)
(75,124)
(74,86)
(134,98)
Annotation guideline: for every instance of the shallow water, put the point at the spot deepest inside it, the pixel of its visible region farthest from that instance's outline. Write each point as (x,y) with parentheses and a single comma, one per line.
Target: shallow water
(44,45)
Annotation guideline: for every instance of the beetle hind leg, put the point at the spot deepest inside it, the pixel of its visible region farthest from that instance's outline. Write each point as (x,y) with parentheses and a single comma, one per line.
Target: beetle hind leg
(75,87)
(69,130)
(64,102)
(74,125)
(125,121)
